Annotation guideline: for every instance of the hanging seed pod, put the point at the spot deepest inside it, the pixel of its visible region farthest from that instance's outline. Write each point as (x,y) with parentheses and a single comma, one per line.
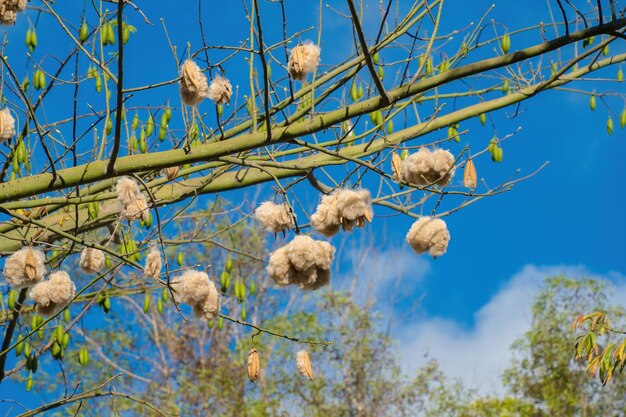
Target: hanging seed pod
(160,305)
(470,178)
(19,348)
(135,123)
(620,75)
(83,356)
(220,323)
(353,93)
(252,288)
(381,73)
(303,363)
(505,43)
(125,33)
(33,39)
(108,126)
(243,312)
(453,133)
(29,382)
(180,259)
(609,125)
(592,102)
(396,165)
(146,302)
(56,350)
(390,127)
(98,82)
(25,83)
(404,154)
(150,125)
(483,118)
(505,87)
(83,33)
(40,80)
(253,365)
(622,119)
(360,92)
(66,315)
(143,143)
(225,281)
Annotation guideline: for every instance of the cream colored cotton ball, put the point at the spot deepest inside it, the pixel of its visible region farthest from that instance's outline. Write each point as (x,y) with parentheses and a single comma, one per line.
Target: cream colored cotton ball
(193,84)
(53,294)
(303,60)
(429,235)
(91,260)
(153,265)
(426,167)
(342,209)
(25,267)
(220,90)
(275,218)
(196,289)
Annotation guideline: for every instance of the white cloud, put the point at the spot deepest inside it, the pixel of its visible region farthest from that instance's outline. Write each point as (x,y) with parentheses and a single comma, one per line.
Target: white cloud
(480,354)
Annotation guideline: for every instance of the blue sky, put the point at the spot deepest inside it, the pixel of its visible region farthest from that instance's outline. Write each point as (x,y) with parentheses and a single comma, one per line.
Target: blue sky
(568,217)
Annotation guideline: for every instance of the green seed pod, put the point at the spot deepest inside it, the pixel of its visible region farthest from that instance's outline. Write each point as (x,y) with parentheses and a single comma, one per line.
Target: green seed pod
(444,65)
(83,32)
(59,334)
(108,126)
(106,305)
(220,110)
(210,323)
(404,154)
(33,39)
(220,323)
(165,294)
(429,67)
(505,87)
(605,50)
(229,264)
(483,118)
(34,363)
(33,322)
(168,113)
(242,290)
(592,102)
(19,348)
(28,349)
(27,40)
(225,281)
(180,259)
(505,43)
(390,127)
(620,75)
(125,33)
(243,312)
(160,305)
(464,50)
(499,154)
(150,126)
(143,143)
(135,123)
(146,302)
(609,125)
(66,340)
(107,261)
(622,119)
(360,92)
(21,152)
(25,83)
(252,288)
(453,133)
(56,350)
(29,382)
(40,80)
(110,34)
(83,356)
(375,58)
(12,299)
(15,164)
(148,221)
(353,93)
(381,73)
(98,82)
(67,316)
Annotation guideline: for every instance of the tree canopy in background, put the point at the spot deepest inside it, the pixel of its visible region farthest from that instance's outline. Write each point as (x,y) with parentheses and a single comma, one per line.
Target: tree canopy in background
(111,245)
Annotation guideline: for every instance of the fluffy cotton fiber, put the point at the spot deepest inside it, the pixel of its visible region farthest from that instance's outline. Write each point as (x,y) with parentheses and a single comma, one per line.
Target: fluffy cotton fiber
(25,268)
(53,294)
(275,218)
(193,84)
(7,125)
(196,289)
(153,265)
(91,260)
(342,209)
(220,90)
(303,60)
(9,9)
(134,205)
(429,235)
(303,262)
(426,167)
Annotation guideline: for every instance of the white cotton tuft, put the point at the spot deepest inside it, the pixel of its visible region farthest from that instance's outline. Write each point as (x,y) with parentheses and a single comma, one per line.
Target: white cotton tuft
(196,289)
(53,294)
(342,209)
(134,205)
(153,265)
(91,260)
(426,167)
(9,9)
(7,125)
(303,60)
(303,262)
(193,84)
(25,268)
(220,90)
(275,218)
(429,235)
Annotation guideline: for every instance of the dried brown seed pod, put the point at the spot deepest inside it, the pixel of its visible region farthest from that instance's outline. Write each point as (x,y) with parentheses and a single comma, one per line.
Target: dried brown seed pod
(303,363)
(171,172)
(396,165)
(470,178)
(253,365)
(30,265)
